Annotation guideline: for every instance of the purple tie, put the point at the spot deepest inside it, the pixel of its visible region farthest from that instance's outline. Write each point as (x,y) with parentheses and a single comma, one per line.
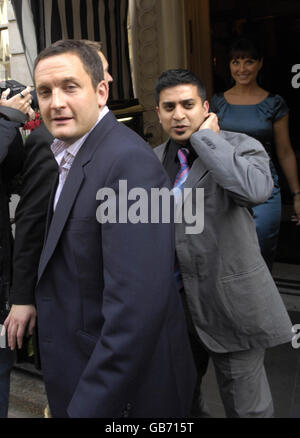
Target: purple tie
(178,185)
(182,173)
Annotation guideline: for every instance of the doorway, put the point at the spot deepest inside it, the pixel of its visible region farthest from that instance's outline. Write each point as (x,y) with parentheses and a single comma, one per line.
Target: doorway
(276,25)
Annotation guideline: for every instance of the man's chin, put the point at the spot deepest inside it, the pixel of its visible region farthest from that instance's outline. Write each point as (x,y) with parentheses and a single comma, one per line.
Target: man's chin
(180,139)
(67,137)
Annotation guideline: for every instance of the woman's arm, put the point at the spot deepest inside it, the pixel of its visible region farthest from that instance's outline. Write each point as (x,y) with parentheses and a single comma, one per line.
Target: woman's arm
(287,158)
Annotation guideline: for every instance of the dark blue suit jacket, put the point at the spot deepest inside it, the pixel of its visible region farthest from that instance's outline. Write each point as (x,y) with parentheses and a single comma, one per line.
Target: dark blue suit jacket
(112,332)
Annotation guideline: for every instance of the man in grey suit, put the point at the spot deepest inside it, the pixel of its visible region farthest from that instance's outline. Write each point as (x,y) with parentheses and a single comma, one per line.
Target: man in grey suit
(234,310)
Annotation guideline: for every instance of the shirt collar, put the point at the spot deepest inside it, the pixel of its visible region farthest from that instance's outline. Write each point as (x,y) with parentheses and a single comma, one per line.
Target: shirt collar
(173,148)
(74,148)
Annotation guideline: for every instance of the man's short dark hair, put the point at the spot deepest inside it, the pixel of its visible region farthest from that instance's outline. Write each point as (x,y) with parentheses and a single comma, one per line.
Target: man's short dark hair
(97,45)
(172,78)
(88,56)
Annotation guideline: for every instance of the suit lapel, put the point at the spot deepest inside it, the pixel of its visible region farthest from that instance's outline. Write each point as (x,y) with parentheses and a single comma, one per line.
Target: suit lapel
(50,206)
(196,173)
(160,151)
(71,188)
(62,211)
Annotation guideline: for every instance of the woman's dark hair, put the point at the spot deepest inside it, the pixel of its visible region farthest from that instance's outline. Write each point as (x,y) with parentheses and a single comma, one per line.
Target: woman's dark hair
(244,48)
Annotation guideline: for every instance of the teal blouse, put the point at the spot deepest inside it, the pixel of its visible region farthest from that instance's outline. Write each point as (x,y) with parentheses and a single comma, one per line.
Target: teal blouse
(254,120)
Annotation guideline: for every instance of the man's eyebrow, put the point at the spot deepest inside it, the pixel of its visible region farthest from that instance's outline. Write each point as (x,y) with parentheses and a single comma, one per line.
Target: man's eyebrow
(191,100)
(41,86)
(63,81)
(69,79)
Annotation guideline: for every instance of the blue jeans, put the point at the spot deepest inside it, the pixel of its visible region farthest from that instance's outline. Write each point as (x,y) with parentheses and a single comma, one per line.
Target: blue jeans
(267,220)
(7,359)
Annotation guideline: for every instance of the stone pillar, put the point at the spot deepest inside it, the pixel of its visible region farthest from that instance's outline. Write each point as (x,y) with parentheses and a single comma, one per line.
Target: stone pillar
(157,35)
(18,64)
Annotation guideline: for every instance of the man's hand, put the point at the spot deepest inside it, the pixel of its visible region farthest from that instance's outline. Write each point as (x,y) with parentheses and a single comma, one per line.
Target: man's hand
(19,317)
(211,122)
(18,102)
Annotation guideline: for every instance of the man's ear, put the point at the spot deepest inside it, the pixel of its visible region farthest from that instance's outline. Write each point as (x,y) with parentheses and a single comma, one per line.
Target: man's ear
(102,92)
(206,108)
(158,113)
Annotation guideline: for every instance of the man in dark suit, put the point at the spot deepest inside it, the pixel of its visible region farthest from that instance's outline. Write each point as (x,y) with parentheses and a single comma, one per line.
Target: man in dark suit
(38,174)
(13,114)
(112,334)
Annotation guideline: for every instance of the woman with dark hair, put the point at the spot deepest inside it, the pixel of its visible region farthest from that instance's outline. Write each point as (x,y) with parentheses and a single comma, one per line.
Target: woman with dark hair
(248,108)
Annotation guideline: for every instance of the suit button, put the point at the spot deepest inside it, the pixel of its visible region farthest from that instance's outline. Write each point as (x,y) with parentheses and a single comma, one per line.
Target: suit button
(125,412)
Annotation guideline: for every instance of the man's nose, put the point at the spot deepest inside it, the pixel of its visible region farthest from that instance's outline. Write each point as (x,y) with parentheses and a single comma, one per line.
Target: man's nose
(178,113)
(57,100)
(108,77)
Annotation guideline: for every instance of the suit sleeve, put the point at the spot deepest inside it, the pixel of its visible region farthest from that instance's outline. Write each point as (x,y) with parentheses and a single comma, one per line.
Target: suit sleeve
(238,163)
(138,264)
(11,147)
(39,172)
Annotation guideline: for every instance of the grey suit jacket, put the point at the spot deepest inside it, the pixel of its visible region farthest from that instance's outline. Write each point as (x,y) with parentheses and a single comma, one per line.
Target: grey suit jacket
(232,298)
